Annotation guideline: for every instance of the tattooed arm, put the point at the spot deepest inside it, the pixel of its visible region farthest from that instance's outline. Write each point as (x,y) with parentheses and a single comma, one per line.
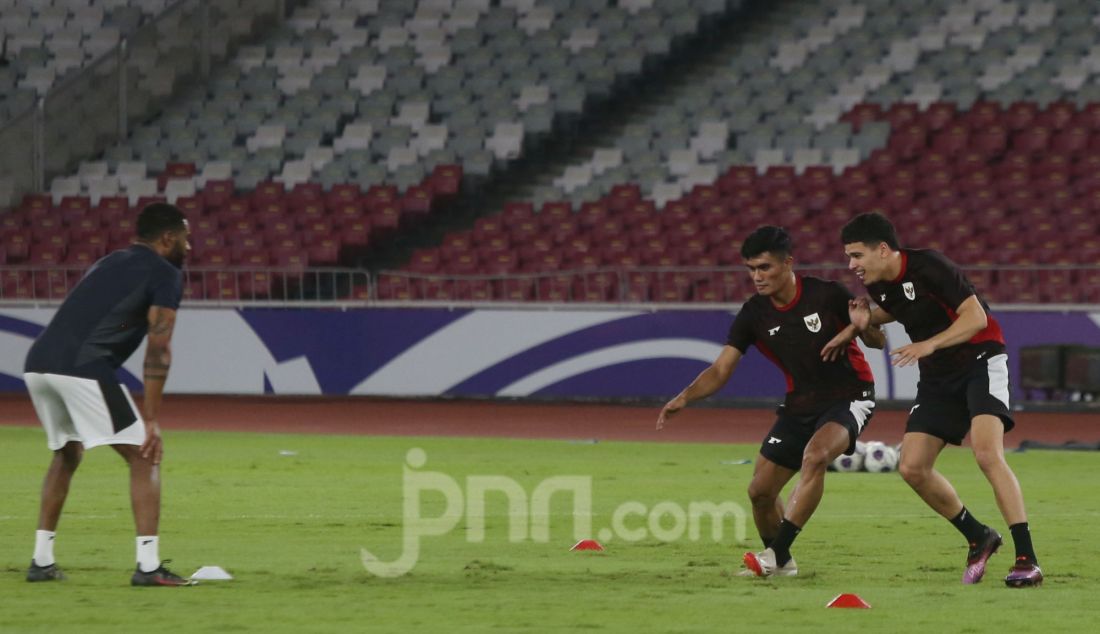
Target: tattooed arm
(158,358)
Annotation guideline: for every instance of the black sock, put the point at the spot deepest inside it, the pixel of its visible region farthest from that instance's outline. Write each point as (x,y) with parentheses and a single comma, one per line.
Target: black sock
(971,528)
(788,530)
(767,541)
(1021,535)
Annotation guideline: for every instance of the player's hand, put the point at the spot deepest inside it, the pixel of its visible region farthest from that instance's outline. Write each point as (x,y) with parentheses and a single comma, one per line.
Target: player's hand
(670,409)
(859,313)
(153,447)
(910,354)
(837,345)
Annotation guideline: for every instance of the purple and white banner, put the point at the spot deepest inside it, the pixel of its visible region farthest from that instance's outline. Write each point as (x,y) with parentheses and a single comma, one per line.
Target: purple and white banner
(483,352)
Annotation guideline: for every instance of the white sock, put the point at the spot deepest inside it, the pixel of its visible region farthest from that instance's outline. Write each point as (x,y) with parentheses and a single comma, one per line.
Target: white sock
(43,548)
(148,558)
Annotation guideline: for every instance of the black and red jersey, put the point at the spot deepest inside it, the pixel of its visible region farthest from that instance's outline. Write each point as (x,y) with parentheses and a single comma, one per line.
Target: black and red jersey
(924,298)
(793,336)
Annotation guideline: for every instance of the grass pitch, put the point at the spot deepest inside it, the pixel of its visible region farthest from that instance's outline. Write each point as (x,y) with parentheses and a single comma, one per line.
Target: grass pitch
(288,515)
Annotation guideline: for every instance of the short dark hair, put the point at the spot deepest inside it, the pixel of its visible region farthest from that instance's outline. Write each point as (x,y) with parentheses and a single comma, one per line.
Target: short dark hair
(767,239)
(158,218)
(871,229)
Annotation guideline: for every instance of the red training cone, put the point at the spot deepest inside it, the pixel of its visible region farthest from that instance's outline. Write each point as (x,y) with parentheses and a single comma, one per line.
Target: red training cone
(587,544)
(847,601)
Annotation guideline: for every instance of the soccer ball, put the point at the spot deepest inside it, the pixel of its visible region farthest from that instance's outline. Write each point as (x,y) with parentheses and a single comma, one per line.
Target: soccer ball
(880,458)
(853,462)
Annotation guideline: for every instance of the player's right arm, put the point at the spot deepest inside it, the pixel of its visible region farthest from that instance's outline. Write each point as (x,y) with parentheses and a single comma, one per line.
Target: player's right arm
(708,382)
(880,316)
(158,359)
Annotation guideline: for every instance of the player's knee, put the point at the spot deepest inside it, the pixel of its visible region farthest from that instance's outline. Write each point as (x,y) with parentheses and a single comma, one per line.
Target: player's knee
(815,461)
(71,455)
(988,459)
(914,474)
(761,496)
(130,453)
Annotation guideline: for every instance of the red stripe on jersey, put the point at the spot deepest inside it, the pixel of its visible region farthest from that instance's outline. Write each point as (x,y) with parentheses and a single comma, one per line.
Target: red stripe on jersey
(797,296)
(766,351)
(991,332)
(859,362)
(904,268)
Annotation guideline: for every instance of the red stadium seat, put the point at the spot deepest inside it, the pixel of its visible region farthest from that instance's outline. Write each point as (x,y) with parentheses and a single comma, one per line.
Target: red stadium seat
(1058,114)
(982,114)
(1020,115)
(268,191)
(593,213)
(523,230)
(862,113)
(394,287)
(305,193)
(46,255)
(952,139)
(990,141)
(445,181)
(385,219)
(360,292)
(416,204)
(624,197)
(517,212)
(555,210)
(324,251)
(477,290)
(938,116)
(255,284)
(1031,139)
(901,114)
(215,193)
(342,193)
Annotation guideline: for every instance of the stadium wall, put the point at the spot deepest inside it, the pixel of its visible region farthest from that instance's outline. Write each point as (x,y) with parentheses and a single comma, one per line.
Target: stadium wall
(433,352)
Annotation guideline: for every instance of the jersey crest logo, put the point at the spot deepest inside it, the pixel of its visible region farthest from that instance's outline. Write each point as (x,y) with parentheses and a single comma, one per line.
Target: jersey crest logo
(773,331)
(813,322)
(910,292)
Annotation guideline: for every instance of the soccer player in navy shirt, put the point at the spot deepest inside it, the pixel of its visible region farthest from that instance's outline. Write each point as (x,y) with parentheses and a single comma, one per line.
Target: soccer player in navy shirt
(805,326)
(70,374)
(963,386)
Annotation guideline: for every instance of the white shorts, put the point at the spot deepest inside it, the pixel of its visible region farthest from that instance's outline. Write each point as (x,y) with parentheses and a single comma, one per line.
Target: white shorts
(77,409)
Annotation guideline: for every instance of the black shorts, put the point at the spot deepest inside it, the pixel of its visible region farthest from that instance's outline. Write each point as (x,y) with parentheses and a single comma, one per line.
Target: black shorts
(789,436)
(945,408)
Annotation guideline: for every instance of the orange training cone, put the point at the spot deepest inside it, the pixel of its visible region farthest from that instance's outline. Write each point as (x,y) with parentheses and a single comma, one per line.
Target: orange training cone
(847,601)
(587,544)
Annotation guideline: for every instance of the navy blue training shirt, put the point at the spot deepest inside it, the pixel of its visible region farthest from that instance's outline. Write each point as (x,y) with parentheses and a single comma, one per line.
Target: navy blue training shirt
(105,317)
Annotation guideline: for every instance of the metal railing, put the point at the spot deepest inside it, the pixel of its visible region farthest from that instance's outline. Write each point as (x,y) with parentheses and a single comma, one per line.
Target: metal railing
(1052,287)
(238,285)
(86,112)
(1057,285)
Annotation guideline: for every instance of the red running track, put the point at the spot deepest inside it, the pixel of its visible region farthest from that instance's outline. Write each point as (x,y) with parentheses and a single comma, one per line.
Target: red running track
(391,417)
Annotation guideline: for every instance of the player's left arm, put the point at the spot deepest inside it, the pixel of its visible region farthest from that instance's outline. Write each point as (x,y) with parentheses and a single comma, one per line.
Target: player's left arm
(970,321)
(859,325)
(158,359)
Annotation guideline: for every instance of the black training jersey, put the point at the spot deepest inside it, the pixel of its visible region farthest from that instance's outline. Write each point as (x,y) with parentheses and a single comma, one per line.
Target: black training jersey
(923,298)
(105,317)
(792,336)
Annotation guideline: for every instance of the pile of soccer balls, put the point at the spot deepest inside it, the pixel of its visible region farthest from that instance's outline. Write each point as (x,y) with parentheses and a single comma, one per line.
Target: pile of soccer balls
(873,456)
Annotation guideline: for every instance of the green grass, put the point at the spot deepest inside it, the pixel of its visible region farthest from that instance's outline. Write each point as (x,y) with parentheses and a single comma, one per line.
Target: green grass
(290,529)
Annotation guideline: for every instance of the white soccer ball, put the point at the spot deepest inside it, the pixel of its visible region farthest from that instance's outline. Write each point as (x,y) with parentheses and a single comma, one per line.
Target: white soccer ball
(880,458)
(853,462)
